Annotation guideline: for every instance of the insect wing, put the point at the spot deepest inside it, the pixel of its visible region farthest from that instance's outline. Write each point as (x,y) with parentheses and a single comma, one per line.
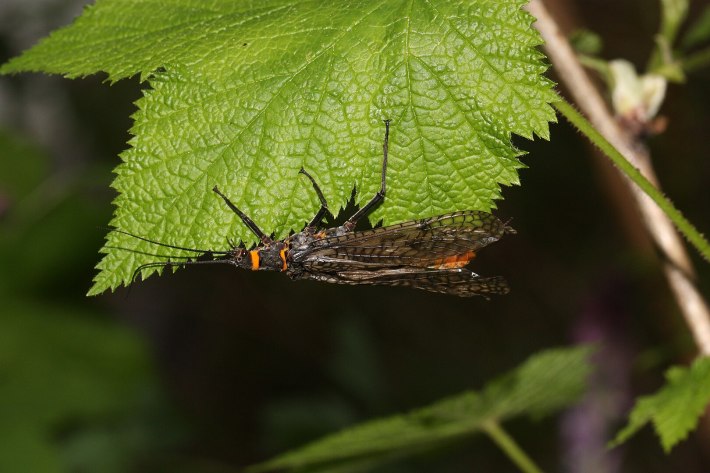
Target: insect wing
(449,239)
(459,282)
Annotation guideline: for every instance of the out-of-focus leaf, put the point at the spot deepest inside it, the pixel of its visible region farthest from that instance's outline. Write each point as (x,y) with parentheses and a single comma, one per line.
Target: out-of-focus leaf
(50,222)
(699,30)
(673,13)
(676,408)
(22,167)
(59,371)
(525,390)
(662,62)
(586,42)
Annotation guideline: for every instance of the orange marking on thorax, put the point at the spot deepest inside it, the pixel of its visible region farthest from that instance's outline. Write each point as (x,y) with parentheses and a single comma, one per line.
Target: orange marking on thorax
(254,259)
(456,261)
(282,254)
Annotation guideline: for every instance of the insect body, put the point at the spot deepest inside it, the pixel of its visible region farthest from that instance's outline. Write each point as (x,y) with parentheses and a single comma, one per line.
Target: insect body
(429,254)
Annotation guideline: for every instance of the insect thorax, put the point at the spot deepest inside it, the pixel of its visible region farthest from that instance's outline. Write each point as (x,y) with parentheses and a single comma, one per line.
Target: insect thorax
(270,257)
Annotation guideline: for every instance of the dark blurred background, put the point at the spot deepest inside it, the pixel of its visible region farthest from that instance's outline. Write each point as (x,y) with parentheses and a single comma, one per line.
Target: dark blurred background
(211,369)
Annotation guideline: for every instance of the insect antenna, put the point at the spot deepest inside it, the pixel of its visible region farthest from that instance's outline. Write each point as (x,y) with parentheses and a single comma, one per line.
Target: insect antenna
(175,247)
(156,255)
(166,264)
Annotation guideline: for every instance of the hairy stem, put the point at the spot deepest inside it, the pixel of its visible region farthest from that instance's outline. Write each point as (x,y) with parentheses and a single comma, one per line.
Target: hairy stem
(677,267)
(687,228)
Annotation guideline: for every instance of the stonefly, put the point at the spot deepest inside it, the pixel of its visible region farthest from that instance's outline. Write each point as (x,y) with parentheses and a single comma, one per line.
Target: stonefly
(429,254)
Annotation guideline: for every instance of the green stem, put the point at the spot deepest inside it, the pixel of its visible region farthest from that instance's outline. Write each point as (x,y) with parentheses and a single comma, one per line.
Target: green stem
(510,448)
(681,223)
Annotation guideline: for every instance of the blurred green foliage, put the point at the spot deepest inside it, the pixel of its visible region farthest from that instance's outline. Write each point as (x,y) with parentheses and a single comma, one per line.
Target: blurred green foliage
(77,389)
(522,391)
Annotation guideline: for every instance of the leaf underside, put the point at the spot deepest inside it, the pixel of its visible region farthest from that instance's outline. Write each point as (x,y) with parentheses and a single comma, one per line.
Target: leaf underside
(244,94)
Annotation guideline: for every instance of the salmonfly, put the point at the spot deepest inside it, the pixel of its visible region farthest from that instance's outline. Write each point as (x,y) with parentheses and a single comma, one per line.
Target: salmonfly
(429,254)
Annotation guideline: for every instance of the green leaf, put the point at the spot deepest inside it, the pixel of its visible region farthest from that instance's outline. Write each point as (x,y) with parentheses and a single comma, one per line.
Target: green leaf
(585,41)
(662,62)
(699,31)
(673,13)
(676,408)
(526,390)
(243,94)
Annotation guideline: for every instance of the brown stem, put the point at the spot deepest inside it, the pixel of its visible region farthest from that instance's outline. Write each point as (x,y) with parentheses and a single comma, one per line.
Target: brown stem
(677,266)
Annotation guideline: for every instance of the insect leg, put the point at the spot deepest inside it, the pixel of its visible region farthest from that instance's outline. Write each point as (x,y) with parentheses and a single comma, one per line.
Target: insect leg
(247,221)
(323,211)
(379,197)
